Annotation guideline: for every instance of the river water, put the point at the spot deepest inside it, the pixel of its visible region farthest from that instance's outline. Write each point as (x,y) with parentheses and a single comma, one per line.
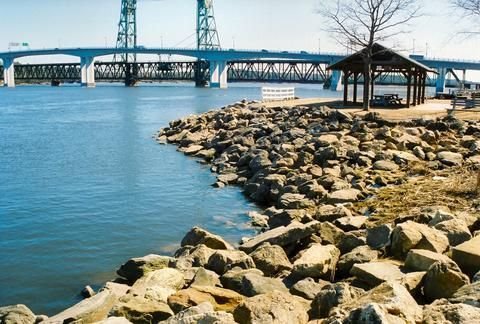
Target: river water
(84,187)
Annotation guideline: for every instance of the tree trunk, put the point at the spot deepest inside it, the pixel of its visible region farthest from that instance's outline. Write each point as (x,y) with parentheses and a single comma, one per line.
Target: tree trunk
(366,84)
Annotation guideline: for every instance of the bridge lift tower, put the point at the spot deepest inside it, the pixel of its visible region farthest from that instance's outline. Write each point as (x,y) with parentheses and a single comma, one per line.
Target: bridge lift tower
(207,36)
(127,38)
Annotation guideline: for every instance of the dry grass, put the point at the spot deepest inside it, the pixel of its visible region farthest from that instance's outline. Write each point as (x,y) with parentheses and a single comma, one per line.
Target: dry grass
(455,188)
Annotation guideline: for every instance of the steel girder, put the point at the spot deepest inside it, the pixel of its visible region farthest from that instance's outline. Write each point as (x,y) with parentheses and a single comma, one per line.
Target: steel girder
(127,31)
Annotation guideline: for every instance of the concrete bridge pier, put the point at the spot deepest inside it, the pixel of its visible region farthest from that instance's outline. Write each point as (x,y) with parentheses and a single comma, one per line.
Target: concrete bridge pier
(336,81)
(441,80)
(8,73)
(218,74)
(87,69)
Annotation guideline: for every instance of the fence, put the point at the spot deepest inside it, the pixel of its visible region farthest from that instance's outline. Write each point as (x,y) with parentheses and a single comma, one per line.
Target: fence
(465,102)
(277,94)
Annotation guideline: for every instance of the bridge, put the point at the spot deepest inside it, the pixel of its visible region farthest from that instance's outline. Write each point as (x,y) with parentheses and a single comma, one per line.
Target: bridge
(212,62)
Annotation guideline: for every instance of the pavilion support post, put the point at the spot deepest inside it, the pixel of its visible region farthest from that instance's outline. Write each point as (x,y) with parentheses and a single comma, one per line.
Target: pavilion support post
(409,88)
(415,88)
(345,87)
(355,87)
(424,86)
(372,85)
(420,83)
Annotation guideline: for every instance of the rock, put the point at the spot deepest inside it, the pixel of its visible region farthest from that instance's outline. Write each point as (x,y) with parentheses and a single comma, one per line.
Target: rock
(295,201)
(467,255)
(392,296)
(89,310)
(329,213)
(330,234)
(258,220)
(282,236)
(141,310)
(476,277)
(259,162)
(422,260)
(206,154)
(456,230)
(376,273)
(205,277)
(441,216)
(274,307)
(117,289)
(308,288)
(331,296)
(385,166)
(192,149)
(87,292)
(378,237)
(224,260)
(233,279)
(198,236)
(372,313)
(197,256)
(136,268)
(203,313)
(221,299)
(351,223)
(344,196)
(450,158)
(317,261)
(254,284)
(413,281)
(350,241)
(227,178)
(361,254)
(411,235)
(404,157)
(468,294)
(16,314)
(157,285)
(442,280)
(444,312)
(271,259)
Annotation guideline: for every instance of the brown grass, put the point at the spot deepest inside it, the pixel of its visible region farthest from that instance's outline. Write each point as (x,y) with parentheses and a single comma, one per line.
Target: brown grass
(455,188)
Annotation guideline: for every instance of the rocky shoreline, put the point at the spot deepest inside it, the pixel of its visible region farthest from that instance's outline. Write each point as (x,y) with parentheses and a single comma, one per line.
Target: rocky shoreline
(323,254)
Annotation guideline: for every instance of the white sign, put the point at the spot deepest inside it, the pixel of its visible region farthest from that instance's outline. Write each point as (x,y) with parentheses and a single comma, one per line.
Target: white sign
(278,94)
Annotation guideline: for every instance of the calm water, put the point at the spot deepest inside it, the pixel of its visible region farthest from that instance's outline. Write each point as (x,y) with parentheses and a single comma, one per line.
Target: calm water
(84,187)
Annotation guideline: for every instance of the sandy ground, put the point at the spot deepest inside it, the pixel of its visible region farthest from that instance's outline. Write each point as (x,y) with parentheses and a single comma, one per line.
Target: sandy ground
(432,109)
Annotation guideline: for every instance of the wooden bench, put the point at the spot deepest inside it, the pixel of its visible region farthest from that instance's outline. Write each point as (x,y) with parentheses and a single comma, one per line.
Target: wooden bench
(388,99)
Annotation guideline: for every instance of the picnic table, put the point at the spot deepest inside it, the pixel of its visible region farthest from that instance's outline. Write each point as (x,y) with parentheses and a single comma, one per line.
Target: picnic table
(387,99)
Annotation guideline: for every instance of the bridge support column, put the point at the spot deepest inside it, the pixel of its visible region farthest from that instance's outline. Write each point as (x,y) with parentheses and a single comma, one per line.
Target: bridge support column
(336,84)
(8,73)
(218,74)
(441,78)
(87,68)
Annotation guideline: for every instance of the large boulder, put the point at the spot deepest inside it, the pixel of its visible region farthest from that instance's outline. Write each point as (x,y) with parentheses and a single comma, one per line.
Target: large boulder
(422,260)
(295,201)
(308,288)
(450,158)
(351,223)
(193,256)
(271,259)
(331,296)
(317,261)
(89,310)
(16,314)
(282,236)
(221,299)
(393,298)
(443,312)
(205,277)
(467,255)
(378,237)
(456,231)
(344,196)
(376,273)
(361,254)
(223,260)
(141,310)
(136,268)
(203,313)
(411,235)
(468,294)
(274,307)
(198,236)
(383,165)
(442,280)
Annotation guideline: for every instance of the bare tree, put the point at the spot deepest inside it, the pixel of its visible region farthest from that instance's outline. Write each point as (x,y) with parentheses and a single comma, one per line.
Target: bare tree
(470,7)
(363,23)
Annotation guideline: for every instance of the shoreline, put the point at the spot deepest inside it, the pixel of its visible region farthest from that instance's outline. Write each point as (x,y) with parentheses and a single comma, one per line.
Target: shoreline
(310,165)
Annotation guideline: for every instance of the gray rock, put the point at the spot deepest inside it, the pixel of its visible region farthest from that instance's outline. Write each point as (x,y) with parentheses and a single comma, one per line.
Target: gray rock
(376,273)
(282,236)
(468,294)
(329,213)
(450,158)
(87,292)
(444,312)
(295,201)
(476,277)
(442,280)
(422,260)
(198,236)
(271,259)
(317,261)
(115,320)
(351,223)
(274,307)
(372,313)
(456,230)
(16,314)
(204,313)
(136,268)
(378,237)
(254,284)
(361,254)
(205,277)
(467,255)
(308,288)
(411,235)
(224,260)
(197,256)
(344,196)
(331,296)
(385,166)
(233,279)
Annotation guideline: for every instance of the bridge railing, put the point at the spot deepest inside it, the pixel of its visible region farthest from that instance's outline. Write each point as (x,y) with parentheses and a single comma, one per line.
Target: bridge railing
(277,94)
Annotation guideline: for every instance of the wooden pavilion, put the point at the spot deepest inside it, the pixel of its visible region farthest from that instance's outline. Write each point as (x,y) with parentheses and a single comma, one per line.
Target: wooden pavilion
(384,60)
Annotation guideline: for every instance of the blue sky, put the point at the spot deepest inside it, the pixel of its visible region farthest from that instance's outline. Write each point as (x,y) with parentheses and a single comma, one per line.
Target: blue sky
(256,24)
